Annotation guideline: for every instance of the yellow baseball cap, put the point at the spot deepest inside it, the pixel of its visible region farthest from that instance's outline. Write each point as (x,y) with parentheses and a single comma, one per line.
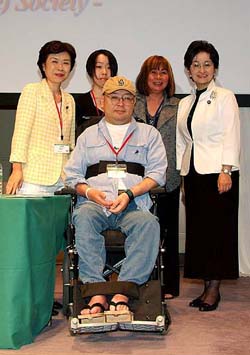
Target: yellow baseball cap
(118,83)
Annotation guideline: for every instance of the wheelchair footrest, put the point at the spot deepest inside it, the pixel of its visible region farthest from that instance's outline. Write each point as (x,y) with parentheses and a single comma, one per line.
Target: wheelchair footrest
(106,317)
(118,316)
(145,326)
(92,318)
(109,321)
(93,325)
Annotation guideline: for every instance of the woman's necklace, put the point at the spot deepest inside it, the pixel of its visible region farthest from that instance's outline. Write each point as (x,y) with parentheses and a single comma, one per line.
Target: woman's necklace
(153,119)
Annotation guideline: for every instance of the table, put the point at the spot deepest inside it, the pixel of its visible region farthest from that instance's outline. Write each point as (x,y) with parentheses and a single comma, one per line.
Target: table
(31,235)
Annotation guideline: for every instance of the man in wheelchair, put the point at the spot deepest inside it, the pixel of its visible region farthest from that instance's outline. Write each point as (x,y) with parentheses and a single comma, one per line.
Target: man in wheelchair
(113,167)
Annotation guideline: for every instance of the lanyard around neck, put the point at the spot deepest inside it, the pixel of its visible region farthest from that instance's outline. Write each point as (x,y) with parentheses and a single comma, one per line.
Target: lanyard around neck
(122,146)
(59,112)
(95,103)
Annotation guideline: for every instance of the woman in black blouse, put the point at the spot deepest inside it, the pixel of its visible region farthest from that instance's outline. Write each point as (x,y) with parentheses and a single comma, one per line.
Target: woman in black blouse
(100,66)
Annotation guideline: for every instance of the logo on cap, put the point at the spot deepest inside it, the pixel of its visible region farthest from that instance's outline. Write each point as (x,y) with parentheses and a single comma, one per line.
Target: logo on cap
(121,82)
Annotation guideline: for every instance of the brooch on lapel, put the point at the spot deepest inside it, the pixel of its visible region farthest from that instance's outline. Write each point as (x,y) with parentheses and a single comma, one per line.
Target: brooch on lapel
(212,97)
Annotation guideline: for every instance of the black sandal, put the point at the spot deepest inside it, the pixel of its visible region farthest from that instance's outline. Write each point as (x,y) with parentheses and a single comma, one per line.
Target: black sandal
(119,303)
(97,304)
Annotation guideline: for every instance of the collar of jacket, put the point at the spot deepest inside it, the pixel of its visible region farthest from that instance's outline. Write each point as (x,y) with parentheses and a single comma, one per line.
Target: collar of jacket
(209,92)
(47,94)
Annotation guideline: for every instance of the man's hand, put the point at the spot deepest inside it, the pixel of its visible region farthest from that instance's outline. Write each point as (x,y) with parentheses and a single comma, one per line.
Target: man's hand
(98,197)
(119,204)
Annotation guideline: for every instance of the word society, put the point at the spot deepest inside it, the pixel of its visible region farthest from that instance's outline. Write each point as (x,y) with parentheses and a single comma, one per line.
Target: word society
(74,6)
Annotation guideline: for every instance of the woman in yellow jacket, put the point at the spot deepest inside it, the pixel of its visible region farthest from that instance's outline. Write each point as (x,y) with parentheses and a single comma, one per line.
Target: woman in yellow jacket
(44,131)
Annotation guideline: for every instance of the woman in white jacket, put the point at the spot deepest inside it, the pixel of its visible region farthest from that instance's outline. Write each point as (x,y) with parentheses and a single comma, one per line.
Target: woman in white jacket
(208,148)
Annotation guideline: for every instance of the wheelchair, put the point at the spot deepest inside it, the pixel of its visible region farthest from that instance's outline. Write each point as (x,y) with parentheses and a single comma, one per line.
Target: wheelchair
(149,312)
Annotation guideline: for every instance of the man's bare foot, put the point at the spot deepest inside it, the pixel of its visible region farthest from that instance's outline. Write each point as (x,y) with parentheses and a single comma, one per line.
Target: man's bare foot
(97,304)
(119,303)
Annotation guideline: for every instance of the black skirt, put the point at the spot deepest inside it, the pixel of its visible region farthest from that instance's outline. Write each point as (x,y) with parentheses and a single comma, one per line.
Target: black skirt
(211,228)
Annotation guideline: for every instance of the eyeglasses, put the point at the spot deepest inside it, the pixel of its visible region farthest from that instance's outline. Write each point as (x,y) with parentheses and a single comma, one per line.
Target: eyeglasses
(126,99)
(205,65)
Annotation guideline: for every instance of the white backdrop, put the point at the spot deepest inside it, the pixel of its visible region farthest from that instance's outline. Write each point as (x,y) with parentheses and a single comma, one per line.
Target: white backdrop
(244,210)
(131,29)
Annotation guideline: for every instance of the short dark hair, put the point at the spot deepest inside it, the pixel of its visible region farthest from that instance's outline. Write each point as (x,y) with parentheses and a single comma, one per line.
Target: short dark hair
(200,46)
(91,62)
(154,62)
(55,47)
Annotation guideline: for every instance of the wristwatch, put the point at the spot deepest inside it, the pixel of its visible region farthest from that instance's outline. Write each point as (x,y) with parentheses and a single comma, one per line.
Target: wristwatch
(226,171)
(130,194)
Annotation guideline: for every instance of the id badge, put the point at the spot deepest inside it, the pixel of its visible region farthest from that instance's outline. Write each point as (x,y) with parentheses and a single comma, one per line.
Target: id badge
(117,171)
(61,148)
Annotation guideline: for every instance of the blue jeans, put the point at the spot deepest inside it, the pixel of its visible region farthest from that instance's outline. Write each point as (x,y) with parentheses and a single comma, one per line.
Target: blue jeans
(142,232)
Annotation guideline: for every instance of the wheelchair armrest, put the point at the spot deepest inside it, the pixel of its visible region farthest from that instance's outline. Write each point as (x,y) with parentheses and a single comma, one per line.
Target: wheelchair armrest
(157,190)
(66,191)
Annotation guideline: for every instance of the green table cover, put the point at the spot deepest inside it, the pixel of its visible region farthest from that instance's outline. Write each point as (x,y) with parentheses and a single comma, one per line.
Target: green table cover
(31,235)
